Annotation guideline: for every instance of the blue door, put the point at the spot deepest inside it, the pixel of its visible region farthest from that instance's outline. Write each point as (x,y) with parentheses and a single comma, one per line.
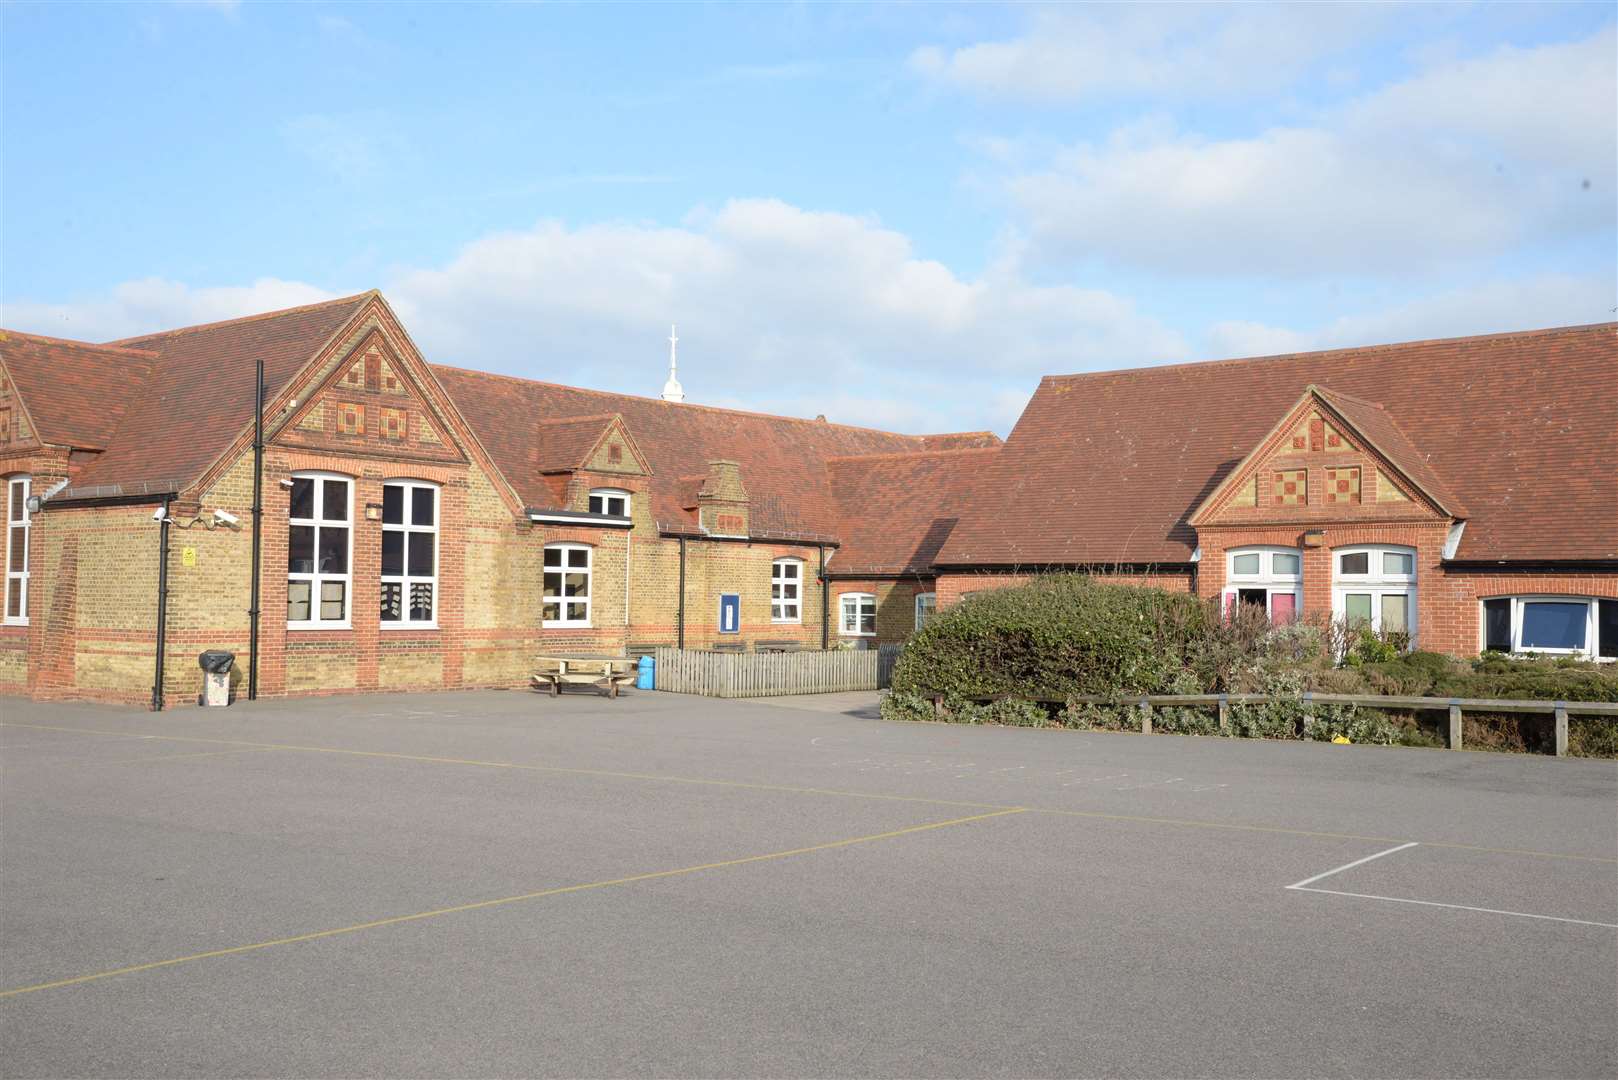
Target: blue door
(730,613)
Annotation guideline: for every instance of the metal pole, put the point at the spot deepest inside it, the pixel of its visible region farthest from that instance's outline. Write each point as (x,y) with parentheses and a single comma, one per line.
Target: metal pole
(825,603)
(258,528)
(162,603)
(681,615)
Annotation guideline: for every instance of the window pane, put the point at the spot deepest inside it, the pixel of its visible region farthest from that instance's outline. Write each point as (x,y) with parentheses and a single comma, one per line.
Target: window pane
(576,585)
(393,505)
(421,506)
(1245,564)
(1283,607)
(333,550)
(1553,625)
(553,584)
(550,612)
(19,502)
(789,592)
(19,549)
(392,552)
(421,602)
(297,601)
(334,504)
(421,554)
(1397,562)
(577,612)
(578,557)
(392,601)
(1395,613)
(1284,564)
(553,556)
(331,600)
(1607,620)
(1497,624)
(303,498)
(598,505)
(1358,562)
(1357,607)
(13,598)
(868,623)
(301,549)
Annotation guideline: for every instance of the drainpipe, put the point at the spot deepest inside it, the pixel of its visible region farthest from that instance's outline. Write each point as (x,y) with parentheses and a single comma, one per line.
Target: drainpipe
(680,617)
(162,603)
(258,529)
(825,603)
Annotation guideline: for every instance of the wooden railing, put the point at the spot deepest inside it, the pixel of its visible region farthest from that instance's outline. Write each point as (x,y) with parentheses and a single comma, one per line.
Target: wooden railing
(1561,710)
(741,675)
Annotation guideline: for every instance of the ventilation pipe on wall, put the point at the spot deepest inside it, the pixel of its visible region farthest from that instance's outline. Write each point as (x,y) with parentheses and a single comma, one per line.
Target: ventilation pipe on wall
(162,601)
(680,613)
(258,529)
(825,603)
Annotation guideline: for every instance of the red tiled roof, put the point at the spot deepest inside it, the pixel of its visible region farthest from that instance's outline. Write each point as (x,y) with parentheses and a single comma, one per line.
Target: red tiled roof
(199,395)
(562,445)
(783,460)
(76,393)
(898,509)
(1106,467)
(1375,424)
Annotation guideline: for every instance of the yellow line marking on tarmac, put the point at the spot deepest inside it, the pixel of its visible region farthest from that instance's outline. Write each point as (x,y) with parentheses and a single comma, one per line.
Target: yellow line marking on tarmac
(182,757)
(748,786)
(504,900)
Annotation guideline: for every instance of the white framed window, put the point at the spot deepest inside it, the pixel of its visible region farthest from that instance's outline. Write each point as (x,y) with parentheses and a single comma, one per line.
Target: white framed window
(1582,626)
(18,522)
(858,614)
(409,554)
(1375,586)
(566,599)
(786,591)
(1266,577)
(926,605)
(611,501)
(320,549)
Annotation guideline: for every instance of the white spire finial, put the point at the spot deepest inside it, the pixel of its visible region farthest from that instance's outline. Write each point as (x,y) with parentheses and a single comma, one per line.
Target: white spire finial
(672,390)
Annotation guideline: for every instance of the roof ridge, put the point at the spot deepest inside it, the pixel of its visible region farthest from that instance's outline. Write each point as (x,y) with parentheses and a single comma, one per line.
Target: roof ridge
(911,455)
(1505,335)
(1340,396)
(685,404)
(248,318)
(575,419)
(148,353)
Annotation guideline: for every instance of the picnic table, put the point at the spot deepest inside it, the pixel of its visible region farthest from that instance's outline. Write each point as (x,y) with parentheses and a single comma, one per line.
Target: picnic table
(605,673)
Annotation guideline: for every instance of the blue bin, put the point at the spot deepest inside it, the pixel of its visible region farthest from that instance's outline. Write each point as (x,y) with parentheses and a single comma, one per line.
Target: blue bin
(646,679)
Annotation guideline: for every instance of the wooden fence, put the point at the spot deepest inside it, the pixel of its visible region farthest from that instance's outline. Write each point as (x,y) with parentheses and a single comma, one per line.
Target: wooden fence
(740,675)
(1560,710)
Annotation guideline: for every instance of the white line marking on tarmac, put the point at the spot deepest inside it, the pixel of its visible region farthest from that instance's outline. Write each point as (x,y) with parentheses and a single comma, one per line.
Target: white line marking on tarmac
(1349,866)
(1456,907)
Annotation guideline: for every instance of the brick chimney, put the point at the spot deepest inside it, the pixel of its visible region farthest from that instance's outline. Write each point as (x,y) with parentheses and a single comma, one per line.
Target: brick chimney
(722,501)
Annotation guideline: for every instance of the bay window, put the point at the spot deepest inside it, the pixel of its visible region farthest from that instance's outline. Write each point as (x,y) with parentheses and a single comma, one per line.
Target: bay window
(566,598)
(1376,587)
(1268,578)
(319,550)
(858,614)
(409,554)
(15,549)
(1585,627)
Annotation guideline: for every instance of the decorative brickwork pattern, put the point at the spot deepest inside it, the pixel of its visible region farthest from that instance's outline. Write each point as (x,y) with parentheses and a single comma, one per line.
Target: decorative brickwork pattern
(1343,485)
(1289,487)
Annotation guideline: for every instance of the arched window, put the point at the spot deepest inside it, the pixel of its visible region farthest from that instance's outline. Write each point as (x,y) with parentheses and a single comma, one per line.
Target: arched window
(320,544)
(1269,578)
(409,554)
(858,614)
(1375,586)
(566,598)
(611,501)
(786,591)
(18,521)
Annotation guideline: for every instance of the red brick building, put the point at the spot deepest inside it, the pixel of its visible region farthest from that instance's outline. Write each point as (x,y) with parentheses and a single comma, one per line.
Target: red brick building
(1464,491)
(423,527)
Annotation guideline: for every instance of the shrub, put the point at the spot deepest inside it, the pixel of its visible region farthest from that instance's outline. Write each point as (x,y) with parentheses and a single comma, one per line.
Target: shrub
(1056,636)
(1592,736)
(897,706)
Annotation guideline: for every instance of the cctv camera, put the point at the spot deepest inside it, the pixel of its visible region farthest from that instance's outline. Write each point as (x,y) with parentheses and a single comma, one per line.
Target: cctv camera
(225,517)
(286,483)
(160,513)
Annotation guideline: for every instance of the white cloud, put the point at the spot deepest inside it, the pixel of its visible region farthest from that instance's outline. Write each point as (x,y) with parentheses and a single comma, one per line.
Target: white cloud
(1469,160)
(1094,52)
(1491,307)
(140,307)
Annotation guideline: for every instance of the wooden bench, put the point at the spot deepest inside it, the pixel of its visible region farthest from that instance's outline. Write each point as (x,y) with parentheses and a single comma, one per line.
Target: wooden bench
(605,673)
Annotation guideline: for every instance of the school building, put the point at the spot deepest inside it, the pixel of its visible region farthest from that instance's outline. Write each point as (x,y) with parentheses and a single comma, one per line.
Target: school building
(427,527)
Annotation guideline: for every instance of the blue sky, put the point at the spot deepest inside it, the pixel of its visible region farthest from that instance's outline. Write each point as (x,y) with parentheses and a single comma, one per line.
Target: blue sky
(892,215)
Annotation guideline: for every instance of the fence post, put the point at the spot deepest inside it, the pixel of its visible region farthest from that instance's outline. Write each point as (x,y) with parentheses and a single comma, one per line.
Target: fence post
(1308,711)
(1145,716)
(1561,729)
(1224,714)
(1454,724)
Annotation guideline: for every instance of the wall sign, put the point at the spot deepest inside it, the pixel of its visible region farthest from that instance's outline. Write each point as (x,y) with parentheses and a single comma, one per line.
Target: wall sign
(730,613)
